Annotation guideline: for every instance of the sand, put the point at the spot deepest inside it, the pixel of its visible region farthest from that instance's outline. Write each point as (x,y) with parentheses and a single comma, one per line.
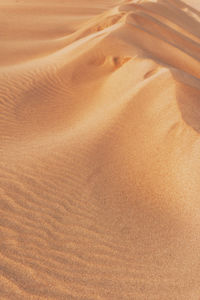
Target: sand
(100,149)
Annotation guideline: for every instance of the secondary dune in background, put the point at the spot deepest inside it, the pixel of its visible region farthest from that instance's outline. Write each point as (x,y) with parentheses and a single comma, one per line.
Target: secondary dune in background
(100,149)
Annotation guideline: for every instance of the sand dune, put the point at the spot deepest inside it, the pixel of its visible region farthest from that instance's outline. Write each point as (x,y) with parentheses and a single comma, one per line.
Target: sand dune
(100,141)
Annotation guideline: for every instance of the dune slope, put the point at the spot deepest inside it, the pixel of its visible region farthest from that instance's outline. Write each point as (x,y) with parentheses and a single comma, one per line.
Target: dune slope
(99,145)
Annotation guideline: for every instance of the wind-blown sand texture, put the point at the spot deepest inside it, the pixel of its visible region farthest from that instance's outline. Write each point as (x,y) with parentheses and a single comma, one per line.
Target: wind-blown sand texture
(100,149)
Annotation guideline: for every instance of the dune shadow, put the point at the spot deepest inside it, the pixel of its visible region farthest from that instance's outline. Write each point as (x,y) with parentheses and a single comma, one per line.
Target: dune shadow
(187,85)
(184,5)
(176,14)
(188,98)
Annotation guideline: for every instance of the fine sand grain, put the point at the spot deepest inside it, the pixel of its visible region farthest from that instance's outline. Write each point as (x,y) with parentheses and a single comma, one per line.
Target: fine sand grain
(100,149)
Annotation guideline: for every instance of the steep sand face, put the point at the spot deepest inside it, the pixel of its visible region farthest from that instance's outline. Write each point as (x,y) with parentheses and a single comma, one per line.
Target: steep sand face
(100,141)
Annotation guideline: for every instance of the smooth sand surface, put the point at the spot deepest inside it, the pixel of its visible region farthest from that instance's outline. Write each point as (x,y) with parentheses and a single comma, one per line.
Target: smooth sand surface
(100,149)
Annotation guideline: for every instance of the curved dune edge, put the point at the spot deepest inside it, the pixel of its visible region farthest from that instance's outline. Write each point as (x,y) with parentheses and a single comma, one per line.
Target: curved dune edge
(100,139)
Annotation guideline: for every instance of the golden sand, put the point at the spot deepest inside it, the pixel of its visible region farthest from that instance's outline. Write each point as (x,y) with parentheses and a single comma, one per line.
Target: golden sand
(100,149)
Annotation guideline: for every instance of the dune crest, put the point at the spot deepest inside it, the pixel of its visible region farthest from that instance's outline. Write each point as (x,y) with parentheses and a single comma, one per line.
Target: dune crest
(100,139)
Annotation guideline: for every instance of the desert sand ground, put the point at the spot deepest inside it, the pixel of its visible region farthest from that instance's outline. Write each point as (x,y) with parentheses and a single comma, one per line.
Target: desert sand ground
(100,149)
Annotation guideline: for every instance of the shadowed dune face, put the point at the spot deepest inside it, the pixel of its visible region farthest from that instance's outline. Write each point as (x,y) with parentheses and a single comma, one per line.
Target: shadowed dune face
(99,126)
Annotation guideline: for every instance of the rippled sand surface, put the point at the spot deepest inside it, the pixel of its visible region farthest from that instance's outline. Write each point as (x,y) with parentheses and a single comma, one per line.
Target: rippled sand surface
(100,149)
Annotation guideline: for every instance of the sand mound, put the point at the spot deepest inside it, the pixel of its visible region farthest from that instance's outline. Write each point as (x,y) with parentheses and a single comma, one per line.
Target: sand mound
(100,139)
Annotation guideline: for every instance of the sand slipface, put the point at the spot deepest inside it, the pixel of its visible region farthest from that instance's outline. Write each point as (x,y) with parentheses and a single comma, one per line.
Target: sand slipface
(100,149)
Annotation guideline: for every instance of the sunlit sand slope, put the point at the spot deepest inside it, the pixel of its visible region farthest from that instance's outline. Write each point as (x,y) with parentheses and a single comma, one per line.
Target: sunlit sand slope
(100,149)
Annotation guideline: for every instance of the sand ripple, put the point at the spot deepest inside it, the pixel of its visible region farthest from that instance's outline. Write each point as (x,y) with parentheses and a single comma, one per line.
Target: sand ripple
(100,165)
